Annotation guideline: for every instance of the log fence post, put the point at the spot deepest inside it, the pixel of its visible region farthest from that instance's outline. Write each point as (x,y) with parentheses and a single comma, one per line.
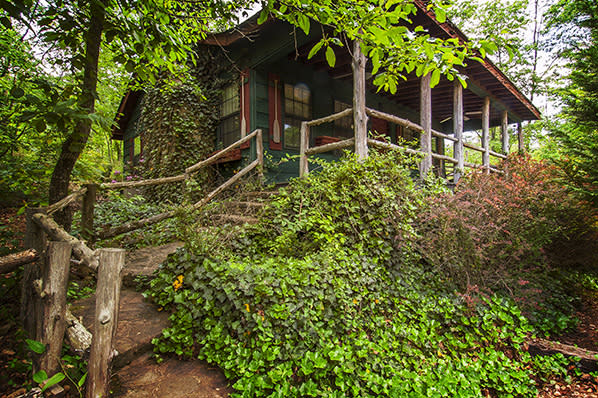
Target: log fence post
(303,147)
(259,151)
(485,134)
(458,130)
(360,118)
(106,319)
(52,318)
(87,209)
(35,238)
(504,129)
(425,110)
(520,138)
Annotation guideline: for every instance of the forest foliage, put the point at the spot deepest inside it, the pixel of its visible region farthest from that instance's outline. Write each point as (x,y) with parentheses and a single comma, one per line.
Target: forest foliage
(344,288)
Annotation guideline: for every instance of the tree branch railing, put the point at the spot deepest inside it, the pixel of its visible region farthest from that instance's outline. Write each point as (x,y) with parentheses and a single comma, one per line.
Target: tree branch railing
(306,151)
(47,264)
(258,163)
(44,312)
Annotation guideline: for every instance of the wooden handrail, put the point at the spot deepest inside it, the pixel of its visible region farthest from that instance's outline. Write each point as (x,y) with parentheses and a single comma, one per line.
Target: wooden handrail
(221,153)
(64,202)
(480,149)
(330,147)
(55,232)
(227,184)
(142,183)
(330,118)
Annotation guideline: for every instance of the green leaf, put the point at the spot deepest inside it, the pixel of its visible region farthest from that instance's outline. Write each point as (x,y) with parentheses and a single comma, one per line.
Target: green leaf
(315,49)
(435,78)
(440,14)
(36,346)
(57,378)
(303,23)
(40,377)
(40,125)
(330,57)
(82,380)
(17,92)
(263,16)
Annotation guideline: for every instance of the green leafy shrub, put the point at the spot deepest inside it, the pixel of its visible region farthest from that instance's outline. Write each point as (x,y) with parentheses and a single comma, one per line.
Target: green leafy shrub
(508,234)
(328,295)
(117,209)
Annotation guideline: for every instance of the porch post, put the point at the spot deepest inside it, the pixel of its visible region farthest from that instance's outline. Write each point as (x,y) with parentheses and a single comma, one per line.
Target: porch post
(458,129)
(505,132)
(360,119)
(425,111)
(520,138)
(485,134)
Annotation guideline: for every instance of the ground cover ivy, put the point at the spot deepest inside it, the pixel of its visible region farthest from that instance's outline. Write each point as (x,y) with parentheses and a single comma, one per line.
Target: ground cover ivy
(329,295)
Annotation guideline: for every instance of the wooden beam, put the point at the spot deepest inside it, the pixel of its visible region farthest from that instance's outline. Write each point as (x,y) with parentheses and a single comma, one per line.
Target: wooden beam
(504,130)
(426,122)
(458,129)
(486,133)
(360,119)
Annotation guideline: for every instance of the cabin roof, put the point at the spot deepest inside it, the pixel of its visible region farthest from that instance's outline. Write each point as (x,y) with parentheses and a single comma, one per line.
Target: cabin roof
(484,79)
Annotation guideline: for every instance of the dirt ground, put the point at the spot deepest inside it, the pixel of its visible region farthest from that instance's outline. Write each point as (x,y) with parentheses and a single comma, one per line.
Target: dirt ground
(13,366)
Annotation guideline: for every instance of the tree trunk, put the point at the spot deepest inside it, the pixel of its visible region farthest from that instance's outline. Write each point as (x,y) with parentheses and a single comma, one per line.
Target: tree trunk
(75,142)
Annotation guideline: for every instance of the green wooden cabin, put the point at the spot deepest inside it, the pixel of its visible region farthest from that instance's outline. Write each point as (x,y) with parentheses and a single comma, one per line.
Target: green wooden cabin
(274,83)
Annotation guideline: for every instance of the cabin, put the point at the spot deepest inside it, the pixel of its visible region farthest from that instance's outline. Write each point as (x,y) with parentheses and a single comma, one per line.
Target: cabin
(305,107)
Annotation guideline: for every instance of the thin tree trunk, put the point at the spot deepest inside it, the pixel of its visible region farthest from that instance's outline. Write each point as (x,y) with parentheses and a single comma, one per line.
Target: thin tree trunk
(75,142)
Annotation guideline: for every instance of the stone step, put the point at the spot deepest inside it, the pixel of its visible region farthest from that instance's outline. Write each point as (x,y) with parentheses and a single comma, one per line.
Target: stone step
(243,205)
(234,219)
(144,378)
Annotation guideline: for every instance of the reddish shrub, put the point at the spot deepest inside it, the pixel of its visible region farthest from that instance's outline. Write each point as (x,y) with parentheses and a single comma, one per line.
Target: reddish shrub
(496,230)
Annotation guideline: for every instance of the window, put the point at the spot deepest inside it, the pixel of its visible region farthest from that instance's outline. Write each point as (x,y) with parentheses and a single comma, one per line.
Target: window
(343,127)
(297,109)
(230,129)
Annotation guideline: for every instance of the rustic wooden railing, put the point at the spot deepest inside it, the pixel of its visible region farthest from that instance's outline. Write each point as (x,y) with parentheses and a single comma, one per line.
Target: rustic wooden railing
(257,163)
(305,151)
(44,312)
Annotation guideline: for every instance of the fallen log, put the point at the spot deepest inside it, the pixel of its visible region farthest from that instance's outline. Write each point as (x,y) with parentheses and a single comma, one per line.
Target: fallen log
(13,261)
(587,360)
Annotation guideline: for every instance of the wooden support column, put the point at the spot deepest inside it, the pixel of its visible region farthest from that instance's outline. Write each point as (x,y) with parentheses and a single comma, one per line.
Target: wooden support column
(504,130)
(360,119)
(520,138)
(87,208)
(52,318)
(485,133)
(35,238)
(259,152)
(105,322)
(303,147)
(458,129)
(440,151)
(425,110)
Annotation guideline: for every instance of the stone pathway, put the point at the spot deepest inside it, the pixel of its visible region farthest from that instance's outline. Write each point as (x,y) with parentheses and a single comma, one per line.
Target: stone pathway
(135,372)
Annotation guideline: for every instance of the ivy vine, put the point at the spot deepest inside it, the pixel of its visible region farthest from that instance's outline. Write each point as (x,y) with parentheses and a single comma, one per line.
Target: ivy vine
(178,125)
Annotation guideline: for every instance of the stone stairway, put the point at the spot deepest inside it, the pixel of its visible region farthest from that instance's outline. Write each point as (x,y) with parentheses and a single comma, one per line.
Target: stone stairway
(135,373)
